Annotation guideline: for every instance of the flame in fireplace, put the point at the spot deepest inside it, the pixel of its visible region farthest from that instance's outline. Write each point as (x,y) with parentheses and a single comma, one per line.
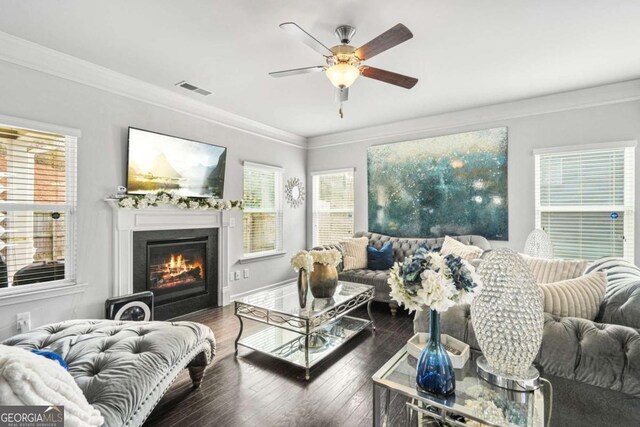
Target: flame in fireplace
(178,266)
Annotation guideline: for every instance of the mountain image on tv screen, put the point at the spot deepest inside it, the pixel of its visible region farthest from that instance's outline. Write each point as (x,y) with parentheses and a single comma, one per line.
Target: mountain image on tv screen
(188,168)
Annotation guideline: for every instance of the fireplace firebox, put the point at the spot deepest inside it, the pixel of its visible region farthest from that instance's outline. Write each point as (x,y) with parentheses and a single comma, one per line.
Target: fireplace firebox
(180,267)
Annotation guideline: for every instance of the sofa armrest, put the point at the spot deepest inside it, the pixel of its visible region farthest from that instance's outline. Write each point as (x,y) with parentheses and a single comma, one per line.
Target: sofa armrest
(598,354)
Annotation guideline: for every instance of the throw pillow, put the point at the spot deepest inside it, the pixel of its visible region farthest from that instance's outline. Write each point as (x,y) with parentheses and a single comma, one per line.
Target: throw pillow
(554,270)
(451,246)
(29,379)
(380,259)
(354,253)
(580,297)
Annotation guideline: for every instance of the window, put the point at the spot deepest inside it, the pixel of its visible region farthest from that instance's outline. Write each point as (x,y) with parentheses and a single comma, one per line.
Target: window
(37,207)
(262,217)
(585,200)
(332,206)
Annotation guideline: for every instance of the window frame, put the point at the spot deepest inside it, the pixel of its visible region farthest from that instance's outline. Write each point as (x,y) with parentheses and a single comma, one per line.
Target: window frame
(72,137)
(315,184)
(628,206)
(278,211)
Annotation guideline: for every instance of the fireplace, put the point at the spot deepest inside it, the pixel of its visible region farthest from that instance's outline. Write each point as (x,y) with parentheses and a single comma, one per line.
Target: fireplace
(180,267)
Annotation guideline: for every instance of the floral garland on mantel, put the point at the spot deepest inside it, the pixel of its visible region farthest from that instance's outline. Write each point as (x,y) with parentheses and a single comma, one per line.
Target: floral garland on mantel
(166,198)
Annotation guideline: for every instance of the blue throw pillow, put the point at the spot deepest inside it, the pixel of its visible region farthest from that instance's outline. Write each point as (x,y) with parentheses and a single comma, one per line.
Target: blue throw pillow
(380,259)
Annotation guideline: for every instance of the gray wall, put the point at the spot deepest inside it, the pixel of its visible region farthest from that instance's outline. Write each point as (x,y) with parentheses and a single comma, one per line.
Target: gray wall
(607,123)
(103,119)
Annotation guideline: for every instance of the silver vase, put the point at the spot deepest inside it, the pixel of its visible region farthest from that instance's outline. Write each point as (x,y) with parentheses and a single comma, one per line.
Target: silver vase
(303,287)
(323,280)
(507,315)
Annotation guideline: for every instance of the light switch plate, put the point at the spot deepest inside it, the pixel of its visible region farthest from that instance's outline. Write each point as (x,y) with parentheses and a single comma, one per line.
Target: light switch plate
(246,273)
(236,275)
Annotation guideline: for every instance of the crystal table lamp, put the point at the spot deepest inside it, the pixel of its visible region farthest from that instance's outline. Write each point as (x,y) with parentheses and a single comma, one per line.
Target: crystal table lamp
(508,319)
(538,244)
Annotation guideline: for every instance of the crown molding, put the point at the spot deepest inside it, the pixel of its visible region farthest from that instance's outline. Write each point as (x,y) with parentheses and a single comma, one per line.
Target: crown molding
(40,58)
(415,128)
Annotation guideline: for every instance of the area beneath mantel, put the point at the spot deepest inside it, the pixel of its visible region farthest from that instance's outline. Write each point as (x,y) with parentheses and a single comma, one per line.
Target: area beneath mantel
(167,217)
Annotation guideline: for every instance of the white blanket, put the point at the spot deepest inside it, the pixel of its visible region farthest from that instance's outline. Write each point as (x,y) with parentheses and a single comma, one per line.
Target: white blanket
(30,379)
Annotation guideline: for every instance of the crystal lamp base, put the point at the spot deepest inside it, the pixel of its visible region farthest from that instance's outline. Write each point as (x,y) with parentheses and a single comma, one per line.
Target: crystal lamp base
(529,382)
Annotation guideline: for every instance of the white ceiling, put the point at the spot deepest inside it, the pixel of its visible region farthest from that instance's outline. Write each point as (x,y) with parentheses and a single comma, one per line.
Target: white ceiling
(465,53)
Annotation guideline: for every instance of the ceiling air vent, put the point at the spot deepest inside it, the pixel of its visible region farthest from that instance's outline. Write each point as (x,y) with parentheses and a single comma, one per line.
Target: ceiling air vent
(193,88)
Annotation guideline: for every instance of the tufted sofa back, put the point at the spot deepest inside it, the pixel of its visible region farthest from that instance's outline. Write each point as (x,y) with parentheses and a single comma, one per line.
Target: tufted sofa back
(621,305)
(406,246)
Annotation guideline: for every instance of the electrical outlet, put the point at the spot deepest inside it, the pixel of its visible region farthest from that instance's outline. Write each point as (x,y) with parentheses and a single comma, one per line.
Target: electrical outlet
(23,322)
(232,276)
(246,273)
(236,275)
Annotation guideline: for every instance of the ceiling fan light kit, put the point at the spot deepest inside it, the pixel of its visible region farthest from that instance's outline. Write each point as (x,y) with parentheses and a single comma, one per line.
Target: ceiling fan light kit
(344,62)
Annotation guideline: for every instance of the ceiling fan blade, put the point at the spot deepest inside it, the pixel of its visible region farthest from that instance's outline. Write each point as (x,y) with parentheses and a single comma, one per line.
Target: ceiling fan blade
(389,77)
(296,71)
(342,95)
(302,36)
(390,38)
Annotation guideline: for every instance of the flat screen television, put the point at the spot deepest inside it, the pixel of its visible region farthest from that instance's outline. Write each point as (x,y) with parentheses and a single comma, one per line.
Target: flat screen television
(162,162)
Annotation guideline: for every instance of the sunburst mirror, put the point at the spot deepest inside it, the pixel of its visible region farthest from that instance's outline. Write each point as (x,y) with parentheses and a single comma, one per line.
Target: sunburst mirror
(294,192)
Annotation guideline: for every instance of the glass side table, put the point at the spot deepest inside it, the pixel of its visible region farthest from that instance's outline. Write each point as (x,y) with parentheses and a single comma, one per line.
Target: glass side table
(303,336)
(475,402)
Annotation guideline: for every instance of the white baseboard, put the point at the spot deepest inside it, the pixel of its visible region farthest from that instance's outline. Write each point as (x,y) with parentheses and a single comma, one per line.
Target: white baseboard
(260,289)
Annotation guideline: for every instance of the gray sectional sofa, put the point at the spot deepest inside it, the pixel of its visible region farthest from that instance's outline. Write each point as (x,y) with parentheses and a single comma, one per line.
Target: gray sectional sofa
(594,366)
(402,247)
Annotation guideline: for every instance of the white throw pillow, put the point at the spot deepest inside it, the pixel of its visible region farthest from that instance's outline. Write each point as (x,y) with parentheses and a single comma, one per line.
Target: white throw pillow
(354,253)
(29,379)
(451,246)
(580,297)
(546,270)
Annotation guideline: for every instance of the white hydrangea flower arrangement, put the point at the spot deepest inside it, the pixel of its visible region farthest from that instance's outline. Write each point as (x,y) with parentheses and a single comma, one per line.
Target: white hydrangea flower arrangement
(432,280)
(329,257)
(170,198)
(302,261)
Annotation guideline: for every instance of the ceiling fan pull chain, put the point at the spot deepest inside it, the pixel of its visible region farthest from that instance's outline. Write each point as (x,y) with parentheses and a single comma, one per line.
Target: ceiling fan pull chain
(340,111)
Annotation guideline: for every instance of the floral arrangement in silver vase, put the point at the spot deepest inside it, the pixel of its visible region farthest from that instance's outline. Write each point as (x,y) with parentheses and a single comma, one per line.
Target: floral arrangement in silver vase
(438,282)
(158,198)
(323,280)
(302,263)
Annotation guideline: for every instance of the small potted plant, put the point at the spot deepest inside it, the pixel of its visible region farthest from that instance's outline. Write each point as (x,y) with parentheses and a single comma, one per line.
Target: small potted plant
(323,280)
(437,282)
(302,263)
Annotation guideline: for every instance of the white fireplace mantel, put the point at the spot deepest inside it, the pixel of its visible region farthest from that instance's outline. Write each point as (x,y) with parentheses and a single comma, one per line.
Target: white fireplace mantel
(127,221)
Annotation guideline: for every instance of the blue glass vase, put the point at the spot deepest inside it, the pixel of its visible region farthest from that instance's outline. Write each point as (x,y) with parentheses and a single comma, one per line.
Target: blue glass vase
(434,372)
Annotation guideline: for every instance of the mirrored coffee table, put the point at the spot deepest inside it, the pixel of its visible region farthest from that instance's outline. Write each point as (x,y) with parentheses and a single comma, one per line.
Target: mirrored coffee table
(476,402)
(303,336)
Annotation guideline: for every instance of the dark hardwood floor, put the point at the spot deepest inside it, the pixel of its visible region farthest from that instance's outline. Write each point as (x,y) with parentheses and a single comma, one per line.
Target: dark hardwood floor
(256,390)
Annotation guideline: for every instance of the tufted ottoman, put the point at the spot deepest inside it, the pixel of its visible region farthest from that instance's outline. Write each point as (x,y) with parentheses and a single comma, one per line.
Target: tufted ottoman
(124,368)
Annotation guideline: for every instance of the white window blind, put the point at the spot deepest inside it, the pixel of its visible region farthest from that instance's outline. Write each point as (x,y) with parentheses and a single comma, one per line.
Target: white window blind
(262,217)
(37,207)
(332,206)
(585,200)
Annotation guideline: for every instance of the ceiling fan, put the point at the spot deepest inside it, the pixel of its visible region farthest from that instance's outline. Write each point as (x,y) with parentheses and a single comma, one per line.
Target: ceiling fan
(344,63)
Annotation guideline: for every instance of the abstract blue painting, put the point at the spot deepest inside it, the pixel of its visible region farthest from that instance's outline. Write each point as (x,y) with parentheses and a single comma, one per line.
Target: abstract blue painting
(445,185)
